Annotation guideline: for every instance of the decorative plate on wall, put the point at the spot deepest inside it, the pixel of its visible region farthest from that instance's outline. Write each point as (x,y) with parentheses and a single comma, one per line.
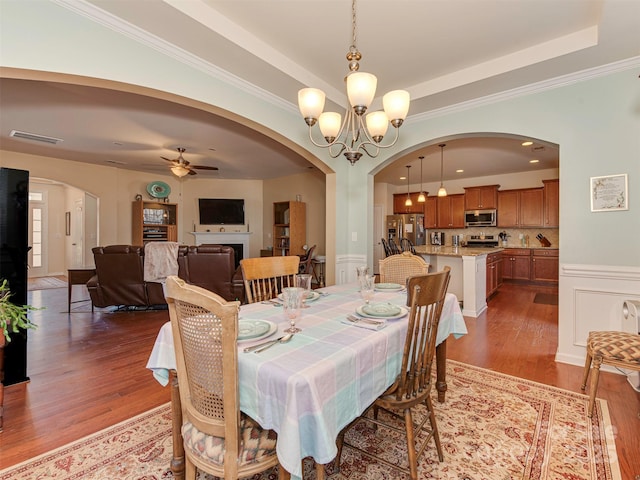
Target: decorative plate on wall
(158,189)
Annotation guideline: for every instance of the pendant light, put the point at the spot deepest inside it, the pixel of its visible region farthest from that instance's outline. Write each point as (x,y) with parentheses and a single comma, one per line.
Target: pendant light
(422,197)
(442,192)
(408,202)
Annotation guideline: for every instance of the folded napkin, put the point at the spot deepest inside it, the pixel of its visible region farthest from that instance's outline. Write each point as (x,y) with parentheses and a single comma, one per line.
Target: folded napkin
(368,323)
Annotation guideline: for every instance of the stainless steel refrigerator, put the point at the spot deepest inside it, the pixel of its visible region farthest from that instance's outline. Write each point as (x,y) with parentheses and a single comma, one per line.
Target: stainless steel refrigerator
(408,225)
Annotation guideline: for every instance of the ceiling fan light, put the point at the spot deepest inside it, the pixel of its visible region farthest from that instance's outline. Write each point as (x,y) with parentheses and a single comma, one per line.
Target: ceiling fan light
(179,171)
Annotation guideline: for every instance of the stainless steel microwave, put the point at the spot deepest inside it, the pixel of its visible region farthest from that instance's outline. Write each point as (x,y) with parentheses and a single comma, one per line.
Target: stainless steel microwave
(480,218)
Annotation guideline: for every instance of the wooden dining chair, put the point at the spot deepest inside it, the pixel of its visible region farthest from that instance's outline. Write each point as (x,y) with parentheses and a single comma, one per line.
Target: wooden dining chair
(218,438)
(265,277)
(412,387)
(305,261)
(397,268)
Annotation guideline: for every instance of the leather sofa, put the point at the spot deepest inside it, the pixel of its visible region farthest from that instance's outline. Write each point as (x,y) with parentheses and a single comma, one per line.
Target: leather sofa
(119,278)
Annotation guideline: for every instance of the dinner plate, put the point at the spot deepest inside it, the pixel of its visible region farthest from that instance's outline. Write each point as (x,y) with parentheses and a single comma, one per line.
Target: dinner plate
(311,296)
(389,287)
(384,310)
(255,329)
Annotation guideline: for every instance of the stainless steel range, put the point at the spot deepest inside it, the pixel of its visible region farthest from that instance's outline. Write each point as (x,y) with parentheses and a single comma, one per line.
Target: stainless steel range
(478,241)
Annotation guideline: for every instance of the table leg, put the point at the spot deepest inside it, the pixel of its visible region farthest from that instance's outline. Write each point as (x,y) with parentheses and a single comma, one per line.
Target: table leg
(69,287)
(441,370)
(177,462)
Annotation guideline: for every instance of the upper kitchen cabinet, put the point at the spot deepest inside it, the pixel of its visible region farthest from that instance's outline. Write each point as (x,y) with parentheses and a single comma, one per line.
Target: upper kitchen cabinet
(431,213)
(521,208)
(451,211)
(399,207)
(551,203)
(484,197)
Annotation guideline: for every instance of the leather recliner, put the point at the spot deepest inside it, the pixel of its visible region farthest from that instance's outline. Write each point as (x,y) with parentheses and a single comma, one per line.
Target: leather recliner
(119,278)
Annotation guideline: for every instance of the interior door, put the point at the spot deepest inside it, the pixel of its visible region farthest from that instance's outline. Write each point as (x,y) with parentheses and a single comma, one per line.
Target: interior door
(77,234)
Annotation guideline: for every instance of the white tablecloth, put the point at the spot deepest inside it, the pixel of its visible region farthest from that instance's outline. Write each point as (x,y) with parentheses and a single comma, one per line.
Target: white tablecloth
(308,389)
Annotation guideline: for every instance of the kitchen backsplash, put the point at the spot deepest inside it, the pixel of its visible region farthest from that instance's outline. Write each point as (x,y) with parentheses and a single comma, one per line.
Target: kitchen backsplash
(513,235)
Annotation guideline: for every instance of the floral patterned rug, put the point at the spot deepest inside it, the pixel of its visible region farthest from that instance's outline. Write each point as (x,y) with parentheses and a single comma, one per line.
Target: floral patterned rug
(492,427)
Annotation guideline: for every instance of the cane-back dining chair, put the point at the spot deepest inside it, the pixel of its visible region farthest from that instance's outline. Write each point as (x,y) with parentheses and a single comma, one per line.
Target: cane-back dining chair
(265,277)
(618,349)
(412,387)
(218,439)
(397,268)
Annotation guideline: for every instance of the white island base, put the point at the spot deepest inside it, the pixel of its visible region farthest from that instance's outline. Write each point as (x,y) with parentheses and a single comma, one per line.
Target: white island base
(468,279)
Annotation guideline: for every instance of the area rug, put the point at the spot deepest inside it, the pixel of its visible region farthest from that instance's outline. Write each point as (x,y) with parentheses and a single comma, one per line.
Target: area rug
(492,427)
(546,298)
(45,283)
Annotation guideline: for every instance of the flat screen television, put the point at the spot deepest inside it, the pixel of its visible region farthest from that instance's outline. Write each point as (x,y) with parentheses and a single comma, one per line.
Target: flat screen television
(221,211)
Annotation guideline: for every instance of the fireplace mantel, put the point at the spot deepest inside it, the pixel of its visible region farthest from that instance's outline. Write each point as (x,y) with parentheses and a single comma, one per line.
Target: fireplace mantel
(224,238)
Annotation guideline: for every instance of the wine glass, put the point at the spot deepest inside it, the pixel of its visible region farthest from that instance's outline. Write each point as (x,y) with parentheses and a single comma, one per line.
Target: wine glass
(303,280)
(362,271)
(366,288)
(291,305)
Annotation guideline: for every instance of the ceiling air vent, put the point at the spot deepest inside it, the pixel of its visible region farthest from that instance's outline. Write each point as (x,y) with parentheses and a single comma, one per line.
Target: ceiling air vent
(35,137)
(538,148)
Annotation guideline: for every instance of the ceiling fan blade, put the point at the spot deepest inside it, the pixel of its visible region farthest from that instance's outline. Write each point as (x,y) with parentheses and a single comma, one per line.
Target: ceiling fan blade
(191,172)
(165,158)
(203,167)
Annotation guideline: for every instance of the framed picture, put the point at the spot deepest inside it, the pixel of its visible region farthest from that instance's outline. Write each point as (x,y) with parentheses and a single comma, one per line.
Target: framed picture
(609,193)
(67,223)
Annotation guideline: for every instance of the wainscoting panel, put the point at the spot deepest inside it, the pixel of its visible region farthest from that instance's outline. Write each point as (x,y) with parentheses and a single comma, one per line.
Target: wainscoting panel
(346,267)
(591,298)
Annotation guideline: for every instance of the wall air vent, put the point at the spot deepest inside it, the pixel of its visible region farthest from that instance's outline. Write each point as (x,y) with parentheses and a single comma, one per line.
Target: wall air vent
(35,137)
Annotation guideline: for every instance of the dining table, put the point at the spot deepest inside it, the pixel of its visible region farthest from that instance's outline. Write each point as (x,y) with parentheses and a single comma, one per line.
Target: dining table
(309,388)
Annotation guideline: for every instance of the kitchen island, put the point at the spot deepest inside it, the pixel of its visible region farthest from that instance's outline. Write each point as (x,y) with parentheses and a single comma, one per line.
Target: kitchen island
(468,273)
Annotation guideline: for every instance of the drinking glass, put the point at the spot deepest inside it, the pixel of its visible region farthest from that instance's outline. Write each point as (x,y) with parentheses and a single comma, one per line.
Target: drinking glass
(362,271)
(366,288)
(291,305)
(303,280)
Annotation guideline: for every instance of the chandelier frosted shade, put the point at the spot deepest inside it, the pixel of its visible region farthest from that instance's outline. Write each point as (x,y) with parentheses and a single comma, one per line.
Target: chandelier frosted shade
(361,88)
(396,106)
(329,123)
(311,104)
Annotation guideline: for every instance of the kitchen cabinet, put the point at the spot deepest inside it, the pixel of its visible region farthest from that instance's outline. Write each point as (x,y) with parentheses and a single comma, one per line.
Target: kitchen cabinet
(450,211)
(544,265)
(516,264)
(431,213)
(494,273)
(399,207)
(484,197)
(551,203)
(289,228)
(153,222)
(521,208)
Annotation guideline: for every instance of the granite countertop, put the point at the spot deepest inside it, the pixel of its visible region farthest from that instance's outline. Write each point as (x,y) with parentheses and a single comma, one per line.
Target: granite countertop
(449,251)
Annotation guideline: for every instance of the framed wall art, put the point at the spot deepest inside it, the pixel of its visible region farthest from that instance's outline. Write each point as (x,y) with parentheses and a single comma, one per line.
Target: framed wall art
(609,193)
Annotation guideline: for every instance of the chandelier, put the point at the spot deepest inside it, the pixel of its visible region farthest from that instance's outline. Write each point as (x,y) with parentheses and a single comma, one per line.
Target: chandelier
(359,132)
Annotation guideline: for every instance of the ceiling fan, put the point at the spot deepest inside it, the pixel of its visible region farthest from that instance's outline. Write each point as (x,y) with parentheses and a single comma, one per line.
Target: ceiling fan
(182,167)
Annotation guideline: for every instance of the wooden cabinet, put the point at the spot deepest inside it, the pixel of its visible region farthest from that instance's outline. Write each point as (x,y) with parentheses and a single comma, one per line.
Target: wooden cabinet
(551,203)
(481,197)
(289,228)
(494,273)
(544,265)
(521,208)
(450,211)
(516,264)
(399,207)
(153,222)
(431,212)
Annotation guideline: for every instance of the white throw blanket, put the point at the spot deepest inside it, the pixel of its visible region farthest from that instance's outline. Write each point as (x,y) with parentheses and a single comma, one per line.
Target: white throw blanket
(160,261)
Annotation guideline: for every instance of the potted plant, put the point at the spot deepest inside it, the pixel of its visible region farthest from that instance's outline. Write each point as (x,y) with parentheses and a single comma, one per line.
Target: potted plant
(13,318)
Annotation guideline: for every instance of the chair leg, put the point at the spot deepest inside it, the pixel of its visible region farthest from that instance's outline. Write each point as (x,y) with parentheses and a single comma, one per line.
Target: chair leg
(593,388)
(190,470)
(411,445)
(282,473)
(434,428)
(587,367)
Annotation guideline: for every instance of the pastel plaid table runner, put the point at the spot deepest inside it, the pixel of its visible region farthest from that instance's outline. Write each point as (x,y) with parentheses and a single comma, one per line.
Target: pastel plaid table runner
(311,387)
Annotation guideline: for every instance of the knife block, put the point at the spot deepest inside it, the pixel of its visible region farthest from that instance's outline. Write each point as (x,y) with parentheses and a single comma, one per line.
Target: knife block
(544,242)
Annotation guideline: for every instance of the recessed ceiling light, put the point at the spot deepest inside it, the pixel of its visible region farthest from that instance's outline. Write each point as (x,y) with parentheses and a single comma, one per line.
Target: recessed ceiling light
(403,178)
(527,143)
(459,170)
(534,161)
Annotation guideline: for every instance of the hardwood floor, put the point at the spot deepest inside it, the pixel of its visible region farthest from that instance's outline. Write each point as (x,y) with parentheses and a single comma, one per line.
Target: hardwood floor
(88,371)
